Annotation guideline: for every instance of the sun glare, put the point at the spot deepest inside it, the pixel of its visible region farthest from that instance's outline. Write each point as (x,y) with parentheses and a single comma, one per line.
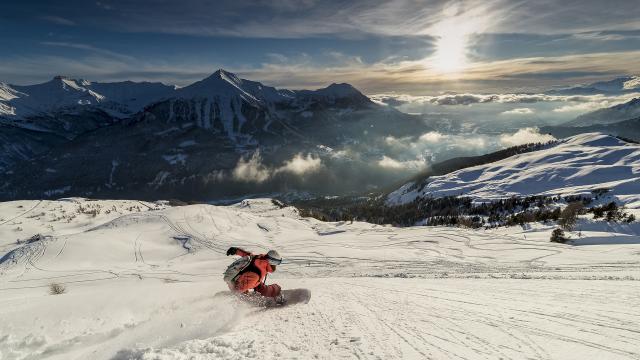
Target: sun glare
(450,54)
(453,33)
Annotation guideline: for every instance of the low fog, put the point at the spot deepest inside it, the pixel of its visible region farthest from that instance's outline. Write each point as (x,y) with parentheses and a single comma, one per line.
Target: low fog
(360,168)
(497,113)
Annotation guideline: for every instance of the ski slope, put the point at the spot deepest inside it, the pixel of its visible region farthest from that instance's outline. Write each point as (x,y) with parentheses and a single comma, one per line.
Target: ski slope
(142,280)
(573,166)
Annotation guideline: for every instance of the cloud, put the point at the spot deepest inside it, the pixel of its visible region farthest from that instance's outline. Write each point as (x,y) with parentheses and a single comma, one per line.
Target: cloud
(353,19)
(594,103)
(579,108)
(601,36)
(525,136)
(390,163)
(253,169)
(518,111)
(372,26)
(104,5)
(58,20)
(491,77)
(470,99)
(91,49)
(462,99)
(634,83)
(384,76)
(419,151)
(358,18)
(432,137)
(301,165)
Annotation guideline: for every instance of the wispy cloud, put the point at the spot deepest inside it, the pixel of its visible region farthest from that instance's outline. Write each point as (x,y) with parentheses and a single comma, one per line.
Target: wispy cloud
(104,5)
(518,111)
(58,20)
(418,76)
(310,18)
(90,48)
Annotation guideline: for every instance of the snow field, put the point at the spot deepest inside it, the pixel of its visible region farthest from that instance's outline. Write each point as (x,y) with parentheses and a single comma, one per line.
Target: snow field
(143,284)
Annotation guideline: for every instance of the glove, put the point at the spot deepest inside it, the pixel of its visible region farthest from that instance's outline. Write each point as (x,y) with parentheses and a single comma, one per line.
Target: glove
(271,291)
(280,299)
(276,289)
(232,251)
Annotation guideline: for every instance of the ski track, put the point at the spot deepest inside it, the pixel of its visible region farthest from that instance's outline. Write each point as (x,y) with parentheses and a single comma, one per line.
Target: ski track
(377,292)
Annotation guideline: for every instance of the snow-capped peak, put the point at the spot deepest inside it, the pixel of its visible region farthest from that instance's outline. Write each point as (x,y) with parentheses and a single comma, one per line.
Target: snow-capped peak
(223,83)
(219,83)
(339,90)
(62,92)
(228,76)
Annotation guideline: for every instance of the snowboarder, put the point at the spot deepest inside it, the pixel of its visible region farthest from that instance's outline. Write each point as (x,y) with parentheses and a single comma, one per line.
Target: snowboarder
(252,274)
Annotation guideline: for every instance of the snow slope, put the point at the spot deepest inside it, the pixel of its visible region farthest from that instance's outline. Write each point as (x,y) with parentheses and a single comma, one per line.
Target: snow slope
(573,166)
(142,281)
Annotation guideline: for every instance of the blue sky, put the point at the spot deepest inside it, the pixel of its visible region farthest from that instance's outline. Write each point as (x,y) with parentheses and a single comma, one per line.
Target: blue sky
(404,46)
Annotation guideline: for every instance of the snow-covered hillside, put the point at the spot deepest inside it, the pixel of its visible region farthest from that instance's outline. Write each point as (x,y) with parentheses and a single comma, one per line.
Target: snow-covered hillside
(141,282)
(573,166)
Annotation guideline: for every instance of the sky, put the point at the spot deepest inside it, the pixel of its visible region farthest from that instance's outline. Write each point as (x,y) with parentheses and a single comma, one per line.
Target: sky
(409,47)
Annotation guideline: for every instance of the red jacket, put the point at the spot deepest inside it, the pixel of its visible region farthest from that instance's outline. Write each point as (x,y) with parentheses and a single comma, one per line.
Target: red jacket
(254,275)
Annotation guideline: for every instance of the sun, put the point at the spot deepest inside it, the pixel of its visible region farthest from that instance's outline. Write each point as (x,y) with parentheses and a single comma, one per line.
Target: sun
(450,55)
(451,51)
(453,34)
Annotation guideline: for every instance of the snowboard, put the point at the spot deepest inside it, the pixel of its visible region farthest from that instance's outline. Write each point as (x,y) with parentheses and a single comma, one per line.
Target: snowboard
(291,297)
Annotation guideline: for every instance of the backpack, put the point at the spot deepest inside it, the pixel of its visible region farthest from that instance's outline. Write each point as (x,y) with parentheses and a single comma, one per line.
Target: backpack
(236,268)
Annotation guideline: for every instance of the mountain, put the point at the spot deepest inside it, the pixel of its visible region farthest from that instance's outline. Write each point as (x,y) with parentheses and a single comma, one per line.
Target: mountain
(628,110)
(66,95)
(64,108)
(573,166)
(223,136)
(621,85)
(19,144)
(629,129)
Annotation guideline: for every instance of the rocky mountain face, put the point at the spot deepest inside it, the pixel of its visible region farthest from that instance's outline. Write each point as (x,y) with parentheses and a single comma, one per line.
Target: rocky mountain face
(221,136)
(35,118)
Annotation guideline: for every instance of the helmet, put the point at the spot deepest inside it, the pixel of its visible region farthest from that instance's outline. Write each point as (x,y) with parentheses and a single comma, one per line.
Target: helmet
(274,258)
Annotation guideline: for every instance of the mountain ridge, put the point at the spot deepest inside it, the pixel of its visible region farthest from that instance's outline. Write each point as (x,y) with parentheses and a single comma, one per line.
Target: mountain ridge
(610,115)
(576,165)
(227,123)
